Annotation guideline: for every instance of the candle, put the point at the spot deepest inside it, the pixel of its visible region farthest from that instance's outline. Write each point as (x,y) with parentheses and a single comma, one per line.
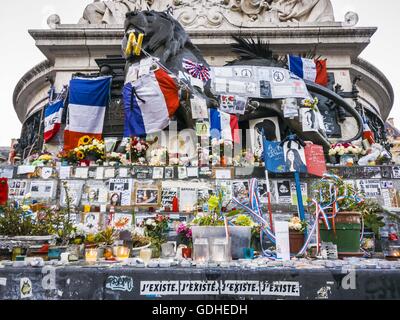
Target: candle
(91,255)
(145,255)
(122,253)
(201,250)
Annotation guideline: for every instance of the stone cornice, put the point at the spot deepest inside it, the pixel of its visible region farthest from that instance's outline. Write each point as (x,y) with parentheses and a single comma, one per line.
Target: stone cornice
(376,83)
(31,80)
(329,38)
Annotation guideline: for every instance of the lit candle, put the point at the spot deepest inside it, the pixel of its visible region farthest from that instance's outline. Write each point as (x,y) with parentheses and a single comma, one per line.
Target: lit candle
(122,253)
(91,255)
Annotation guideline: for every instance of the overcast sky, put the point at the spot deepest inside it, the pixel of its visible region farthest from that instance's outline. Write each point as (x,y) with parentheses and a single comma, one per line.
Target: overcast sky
(19,54)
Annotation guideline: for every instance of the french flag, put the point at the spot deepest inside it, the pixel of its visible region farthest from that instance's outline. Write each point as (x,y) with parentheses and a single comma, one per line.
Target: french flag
(149,103)
(52,119)
(88,99)
(224,125)
(308,69)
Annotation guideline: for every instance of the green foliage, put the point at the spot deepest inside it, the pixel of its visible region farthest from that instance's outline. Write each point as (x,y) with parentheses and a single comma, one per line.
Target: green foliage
(108,236)
(322,191)
(243,221)
(208,221)
(370,210)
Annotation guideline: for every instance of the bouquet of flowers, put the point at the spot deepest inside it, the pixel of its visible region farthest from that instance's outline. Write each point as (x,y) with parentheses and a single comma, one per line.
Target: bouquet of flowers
(311,103)
(345,148)
(156,228)
(88,149)
(295,224)
(158,157)
(137,149)
(185,234)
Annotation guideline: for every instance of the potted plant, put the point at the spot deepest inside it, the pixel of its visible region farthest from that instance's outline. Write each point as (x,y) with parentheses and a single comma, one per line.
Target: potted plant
(296,234)
(106,239)
(185,237)
(346,226)
(139,242)
(212,225)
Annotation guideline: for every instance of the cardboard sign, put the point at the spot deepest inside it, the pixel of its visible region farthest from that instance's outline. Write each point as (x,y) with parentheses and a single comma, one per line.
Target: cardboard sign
(274,157)
(315,160)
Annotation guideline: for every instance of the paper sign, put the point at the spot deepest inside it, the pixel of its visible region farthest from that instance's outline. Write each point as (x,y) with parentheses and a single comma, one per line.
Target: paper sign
(25,288)
(26,169)
(315,160)
(199,108)
(109,173)
(123,172)
(283,192)
(192,172)
(6,173)
(303,187)
(65,172)
(396,172)
(282,240)
(223,174)
(3,282)
(81,172)
(100,173)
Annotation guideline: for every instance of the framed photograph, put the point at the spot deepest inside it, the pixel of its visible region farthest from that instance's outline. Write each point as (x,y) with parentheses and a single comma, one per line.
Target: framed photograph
(158,173)
(120,192)
(203,129)
(94,192)
(169,173)
(147,195)
(270,127)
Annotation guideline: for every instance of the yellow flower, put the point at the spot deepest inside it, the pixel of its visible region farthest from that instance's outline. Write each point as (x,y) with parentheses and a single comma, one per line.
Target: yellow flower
(80,155)
(84,140)
(45,157)
(25,208)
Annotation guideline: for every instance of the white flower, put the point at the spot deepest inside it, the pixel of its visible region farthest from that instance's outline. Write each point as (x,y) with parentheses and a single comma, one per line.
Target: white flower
(150,222)
(341,152)
(332,152)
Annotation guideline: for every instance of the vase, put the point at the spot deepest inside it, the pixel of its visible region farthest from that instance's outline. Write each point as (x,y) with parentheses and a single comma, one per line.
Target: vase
(156,251)
(345,233)
(296,240)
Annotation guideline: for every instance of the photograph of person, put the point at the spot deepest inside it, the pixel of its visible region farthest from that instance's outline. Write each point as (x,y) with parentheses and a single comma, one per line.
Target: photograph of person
(294,161)
(147,196)
(115,199)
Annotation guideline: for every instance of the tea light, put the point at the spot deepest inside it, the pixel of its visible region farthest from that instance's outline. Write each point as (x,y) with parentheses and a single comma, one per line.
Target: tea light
(122,253)
(201,249)
(91,255)
(220,250)
(145,255)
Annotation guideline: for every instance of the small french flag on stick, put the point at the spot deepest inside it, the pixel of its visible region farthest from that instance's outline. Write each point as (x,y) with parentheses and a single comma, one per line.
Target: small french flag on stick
(224,125)
(308,69)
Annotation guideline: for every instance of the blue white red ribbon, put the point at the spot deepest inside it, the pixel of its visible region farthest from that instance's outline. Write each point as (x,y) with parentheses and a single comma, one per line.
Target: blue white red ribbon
(253,208)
